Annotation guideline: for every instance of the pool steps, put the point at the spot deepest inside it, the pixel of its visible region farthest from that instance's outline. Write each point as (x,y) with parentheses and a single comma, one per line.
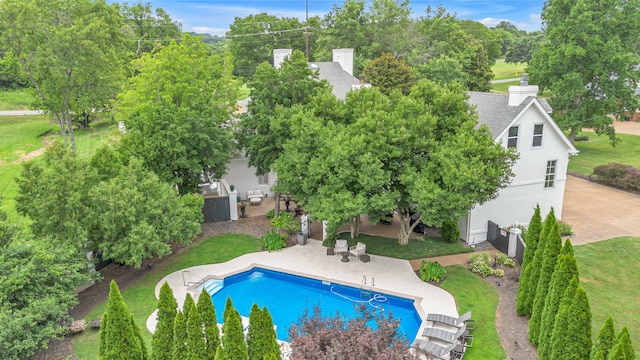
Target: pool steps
(212,286)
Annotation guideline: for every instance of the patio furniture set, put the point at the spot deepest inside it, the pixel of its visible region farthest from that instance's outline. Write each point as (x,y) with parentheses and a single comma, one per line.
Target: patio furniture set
(342,248)
(452,342)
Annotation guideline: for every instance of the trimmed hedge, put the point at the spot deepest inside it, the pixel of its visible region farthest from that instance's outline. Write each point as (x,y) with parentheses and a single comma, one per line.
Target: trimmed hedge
(622,176)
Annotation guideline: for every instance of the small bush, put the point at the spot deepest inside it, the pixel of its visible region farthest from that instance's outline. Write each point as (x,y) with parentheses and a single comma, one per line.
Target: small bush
(582,137)
(479,264)
(285,223)
(273,241)
(432,271)
(619,175)
(565,228)
(498,272)
(270,214)
(450,231)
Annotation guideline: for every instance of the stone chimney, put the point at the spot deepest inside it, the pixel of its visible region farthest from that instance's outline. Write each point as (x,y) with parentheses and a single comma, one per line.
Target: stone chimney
(345,58)
(518,93)
(279,55)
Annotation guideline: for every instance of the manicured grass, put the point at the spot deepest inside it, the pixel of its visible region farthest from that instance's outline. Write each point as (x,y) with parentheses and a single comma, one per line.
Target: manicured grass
(598,151)
(140,297)
(503,70)
(474,294)
(416,249)
(15,99)
(21,134)
(610,274)
(503,87)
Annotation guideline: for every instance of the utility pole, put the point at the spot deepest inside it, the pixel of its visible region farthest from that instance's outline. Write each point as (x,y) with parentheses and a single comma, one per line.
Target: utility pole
(306,30)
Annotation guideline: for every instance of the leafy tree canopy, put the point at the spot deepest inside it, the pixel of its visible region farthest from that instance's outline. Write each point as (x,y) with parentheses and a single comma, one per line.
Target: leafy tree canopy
(389,73)
(147,30)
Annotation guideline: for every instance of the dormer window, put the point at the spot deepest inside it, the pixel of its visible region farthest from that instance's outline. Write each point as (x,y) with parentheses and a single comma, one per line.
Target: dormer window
(537,135)
(512,138)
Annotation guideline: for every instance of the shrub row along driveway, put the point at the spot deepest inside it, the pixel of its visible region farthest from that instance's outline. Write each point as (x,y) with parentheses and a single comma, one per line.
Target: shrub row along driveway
(599,212)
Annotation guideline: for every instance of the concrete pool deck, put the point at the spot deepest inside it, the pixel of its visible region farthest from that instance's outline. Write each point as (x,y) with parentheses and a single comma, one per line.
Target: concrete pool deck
(392,276)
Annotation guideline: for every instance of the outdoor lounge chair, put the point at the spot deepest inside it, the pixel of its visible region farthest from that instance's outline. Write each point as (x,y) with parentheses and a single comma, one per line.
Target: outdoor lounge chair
(341,246)
(432,349)
(358,249)
(443,335)
(464,319)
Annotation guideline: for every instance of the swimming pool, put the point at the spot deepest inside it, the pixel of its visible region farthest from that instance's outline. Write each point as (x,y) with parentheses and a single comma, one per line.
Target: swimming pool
(287,296)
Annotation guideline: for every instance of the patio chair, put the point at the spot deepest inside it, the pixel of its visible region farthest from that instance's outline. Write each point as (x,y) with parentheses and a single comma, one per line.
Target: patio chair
(432,349)
(358,249)
(463,320)
(443,335)
(341,246)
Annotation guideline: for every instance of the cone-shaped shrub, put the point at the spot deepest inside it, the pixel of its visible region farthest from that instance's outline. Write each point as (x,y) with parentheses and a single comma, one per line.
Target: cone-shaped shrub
(566,269)
(604,340)
(255,346)
(270,335)
(104,326)
(623,340)
(196,345)
(187,306)
(233,343)
(136,330)
(179,351)
(536,265)
(617,353)
(560,335)
(531,239)
(120,340)
(211,332)
(220,355)
(567,249)
(162,340)
(576,344)
(551,252)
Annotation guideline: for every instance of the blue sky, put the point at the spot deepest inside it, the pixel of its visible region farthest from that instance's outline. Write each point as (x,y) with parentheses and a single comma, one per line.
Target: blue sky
(214,16)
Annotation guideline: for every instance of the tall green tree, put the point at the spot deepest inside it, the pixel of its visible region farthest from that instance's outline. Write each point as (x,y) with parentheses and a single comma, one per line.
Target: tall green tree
(120,340)
(521,48)
(588,61)
(549,261)
(531,239)
(69,51)
(196,346)
(162,339)
(233,344)
(261,337)
(419,147)
(180,350)
(29,316)
(605,340)
(566,269)
(148,30)
(135,216)
(571,338)
(253,38)
(623,345)
(528,294)
(176,110)
(389,73)
(209,321)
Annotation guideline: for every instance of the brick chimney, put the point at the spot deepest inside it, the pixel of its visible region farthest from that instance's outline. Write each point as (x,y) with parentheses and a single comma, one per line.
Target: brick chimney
(518,93)
(279,55)
(345,58)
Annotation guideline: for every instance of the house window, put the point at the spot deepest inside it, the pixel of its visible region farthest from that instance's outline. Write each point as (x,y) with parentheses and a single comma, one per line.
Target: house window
(537,135)
(550,177)
(263,179)
(512,138)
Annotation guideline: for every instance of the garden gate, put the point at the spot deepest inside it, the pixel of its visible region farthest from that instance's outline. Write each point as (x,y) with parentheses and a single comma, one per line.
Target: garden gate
(216,209)
(498,237)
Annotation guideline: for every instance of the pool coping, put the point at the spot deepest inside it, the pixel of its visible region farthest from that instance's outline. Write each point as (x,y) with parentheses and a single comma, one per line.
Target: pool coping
(393,276)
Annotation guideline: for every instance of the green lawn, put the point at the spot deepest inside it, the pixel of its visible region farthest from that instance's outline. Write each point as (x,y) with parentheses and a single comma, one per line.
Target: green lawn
(416,249)
(598,151)
(21,135)
(474,294)
(15,99)
(610,274)
(140,298)
(503,70)
(503,87)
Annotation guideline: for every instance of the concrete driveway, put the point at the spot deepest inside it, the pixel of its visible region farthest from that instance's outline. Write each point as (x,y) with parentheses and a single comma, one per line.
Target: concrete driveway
(597,212)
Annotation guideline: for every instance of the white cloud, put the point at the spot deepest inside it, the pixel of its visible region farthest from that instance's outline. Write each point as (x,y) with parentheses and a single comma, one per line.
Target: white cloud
(492,22)
(209,30)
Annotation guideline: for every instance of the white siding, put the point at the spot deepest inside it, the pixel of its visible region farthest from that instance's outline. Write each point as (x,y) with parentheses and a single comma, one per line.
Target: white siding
(244,178)
(515,203)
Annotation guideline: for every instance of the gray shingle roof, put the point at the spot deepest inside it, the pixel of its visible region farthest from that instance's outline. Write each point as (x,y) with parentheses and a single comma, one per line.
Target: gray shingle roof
(339,79)
(494,110)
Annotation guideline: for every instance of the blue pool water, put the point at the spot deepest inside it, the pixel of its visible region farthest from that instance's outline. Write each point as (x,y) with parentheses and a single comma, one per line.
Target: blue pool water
(287,296)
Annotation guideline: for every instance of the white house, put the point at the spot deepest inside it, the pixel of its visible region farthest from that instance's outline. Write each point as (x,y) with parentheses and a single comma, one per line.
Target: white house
(521,121)
(339,73)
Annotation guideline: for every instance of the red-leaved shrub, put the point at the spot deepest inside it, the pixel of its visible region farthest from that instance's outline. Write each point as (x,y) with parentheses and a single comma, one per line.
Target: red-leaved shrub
(623,176)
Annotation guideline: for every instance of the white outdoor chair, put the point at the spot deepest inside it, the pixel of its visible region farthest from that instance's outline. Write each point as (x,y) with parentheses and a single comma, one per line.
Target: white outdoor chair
(358,249)
(341,246)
